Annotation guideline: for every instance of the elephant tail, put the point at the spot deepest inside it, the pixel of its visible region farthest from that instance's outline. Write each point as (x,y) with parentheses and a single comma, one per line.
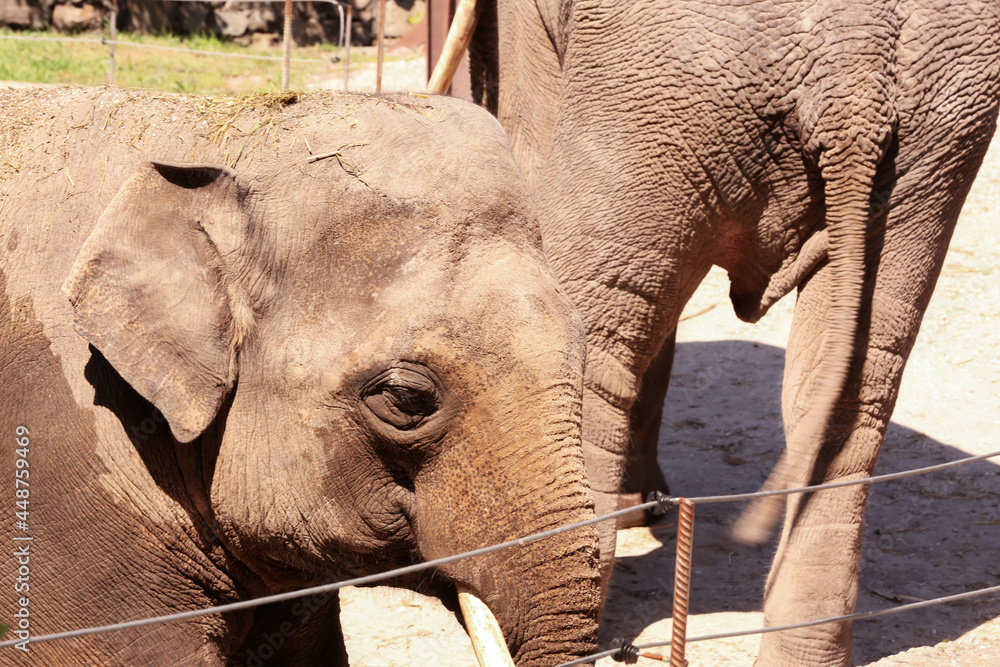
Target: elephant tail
(849,181)
(484,57)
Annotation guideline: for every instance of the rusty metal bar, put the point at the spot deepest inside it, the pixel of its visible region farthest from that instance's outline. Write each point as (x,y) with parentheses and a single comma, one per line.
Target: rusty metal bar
(114,31)
(287,47)
(682,581)
(381,46)
(347,46)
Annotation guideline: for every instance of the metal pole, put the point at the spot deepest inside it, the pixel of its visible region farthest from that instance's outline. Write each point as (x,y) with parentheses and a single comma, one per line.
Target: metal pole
(287,46)
(381,48)
(682,581)
(340,30)
(113,26)
(347,42)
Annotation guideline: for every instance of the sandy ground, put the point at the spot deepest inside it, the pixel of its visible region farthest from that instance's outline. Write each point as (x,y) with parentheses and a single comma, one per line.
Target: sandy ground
(402,70)
(926,537)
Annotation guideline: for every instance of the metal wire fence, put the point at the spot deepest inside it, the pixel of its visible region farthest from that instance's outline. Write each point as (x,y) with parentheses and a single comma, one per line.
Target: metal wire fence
(627,652)
(345,10)
(624,651)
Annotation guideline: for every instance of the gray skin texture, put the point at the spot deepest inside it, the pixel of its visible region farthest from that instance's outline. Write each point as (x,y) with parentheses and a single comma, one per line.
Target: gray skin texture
(823,147)
(245,372)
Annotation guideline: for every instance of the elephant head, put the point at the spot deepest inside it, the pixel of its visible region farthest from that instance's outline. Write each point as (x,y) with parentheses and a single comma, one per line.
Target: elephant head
(374,358)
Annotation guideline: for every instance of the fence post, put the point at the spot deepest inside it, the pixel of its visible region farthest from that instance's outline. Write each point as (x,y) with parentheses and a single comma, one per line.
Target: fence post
(114,32)
(381,37)
(682,582)
(347,41)
(287,47)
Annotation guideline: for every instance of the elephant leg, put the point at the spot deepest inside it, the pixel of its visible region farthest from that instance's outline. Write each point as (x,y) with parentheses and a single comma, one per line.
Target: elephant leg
(642,469)
(815,571)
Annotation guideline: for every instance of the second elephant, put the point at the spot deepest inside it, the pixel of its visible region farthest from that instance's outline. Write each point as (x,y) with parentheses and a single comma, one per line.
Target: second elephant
(818,147)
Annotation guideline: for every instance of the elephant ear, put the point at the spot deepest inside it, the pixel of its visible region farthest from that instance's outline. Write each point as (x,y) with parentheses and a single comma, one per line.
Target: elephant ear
(152,291)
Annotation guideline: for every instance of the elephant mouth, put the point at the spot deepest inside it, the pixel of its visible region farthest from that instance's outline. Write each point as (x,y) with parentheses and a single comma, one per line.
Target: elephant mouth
(484,630)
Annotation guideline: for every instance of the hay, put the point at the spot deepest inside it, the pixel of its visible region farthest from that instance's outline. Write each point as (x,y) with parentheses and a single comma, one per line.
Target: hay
(226,111)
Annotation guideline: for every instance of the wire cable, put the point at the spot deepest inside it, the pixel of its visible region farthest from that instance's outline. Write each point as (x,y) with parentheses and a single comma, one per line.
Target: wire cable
(327,588)
(158,47)
(316,590)
(850,482)
(220,54)
(860,616)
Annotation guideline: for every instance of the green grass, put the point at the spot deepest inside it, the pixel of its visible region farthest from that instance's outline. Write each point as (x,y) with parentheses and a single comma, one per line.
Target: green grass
(87,64)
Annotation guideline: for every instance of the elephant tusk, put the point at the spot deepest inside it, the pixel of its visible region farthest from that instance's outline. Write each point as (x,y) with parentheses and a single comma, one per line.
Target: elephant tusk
(484,631)
(459,36)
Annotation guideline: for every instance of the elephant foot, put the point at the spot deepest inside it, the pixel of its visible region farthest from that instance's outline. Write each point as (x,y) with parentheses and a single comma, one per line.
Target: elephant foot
(637,519)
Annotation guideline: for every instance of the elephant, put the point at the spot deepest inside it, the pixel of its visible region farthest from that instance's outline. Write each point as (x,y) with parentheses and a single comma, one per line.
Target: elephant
(257,344)
(822,148)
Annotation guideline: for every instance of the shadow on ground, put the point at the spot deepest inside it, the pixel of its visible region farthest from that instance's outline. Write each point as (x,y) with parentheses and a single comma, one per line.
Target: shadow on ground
(926,536)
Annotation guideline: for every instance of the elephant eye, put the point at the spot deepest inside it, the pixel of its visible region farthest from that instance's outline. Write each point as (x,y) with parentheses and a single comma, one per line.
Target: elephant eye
(402,398)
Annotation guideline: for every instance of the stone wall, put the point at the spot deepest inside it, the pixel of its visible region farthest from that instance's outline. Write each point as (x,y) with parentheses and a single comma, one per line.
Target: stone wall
(313,22)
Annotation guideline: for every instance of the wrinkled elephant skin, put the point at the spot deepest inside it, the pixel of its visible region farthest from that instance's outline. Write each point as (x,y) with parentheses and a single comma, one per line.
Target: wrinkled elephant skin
(818,147)
(274,343)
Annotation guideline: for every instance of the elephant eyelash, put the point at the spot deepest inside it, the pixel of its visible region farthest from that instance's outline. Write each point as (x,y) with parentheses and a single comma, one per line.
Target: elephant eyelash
(413,401)
(402,398)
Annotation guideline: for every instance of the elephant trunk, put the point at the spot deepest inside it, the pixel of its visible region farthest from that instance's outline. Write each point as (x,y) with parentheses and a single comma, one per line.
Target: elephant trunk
(544,594)
(545,617)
